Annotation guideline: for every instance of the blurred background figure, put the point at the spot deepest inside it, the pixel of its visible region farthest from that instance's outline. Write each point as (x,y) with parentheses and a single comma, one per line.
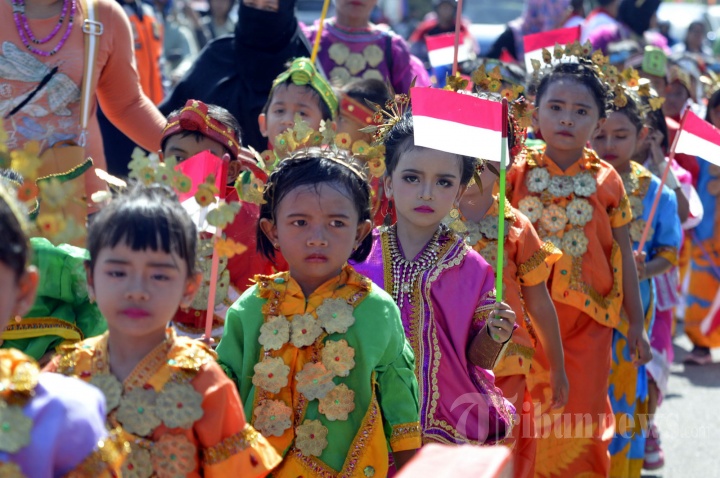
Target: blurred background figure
(440,20)
(696,41)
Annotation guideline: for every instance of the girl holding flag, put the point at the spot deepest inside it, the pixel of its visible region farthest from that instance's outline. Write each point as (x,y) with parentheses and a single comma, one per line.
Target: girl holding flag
(571,196)
(528,263)
(617,142)
(425,266)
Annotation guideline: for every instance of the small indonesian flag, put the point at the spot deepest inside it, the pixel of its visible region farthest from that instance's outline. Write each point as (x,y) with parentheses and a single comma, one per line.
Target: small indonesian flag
(441,49)
(534,44)
(698,138)
(457,123)
(198,168)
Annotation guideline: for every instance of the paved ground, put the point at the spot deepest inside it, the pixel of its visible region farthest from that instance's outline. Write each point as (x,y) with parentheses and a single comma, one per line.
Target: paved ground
(689,419)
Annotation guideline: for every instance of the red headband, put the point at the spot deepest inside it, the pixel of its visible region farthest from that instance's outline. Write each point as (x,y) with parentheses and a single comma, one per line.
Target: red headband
(194,117)
(357,110)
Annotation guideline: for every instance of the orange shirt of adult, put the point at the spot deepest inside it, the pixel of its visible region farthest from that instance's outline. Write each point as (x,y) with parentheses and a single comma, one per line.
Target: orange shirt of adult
(54,113)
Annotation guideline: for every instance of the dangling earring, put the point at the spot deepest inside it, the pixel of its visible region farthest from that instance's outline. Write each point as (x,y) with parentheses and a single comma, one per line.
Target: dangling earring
(18,319)
(276,246)
(455,212)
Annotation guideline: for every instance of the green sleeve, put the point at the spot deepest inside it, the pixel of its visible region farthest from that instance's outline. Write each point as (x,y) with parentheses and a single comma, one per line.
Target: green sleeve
(397,387)
(238,349)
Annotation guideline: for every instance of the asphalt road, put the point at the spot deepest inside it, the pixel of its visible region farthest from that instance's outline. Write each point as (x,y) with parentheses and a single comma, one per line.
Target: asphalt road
(689,418)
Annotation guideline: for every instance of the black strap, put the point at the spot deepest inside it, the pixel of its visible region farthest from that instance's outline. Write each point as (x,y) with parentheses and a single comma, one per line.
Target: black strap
(34,92)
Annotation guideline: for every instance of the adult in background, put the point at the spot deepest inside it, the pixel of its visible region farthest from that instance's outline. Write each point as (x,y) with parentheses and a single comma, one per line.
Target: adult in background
(237,71)
(441,20)
(695,41)
(40,81)
(605,14)
(633,22)
(352,47)
(538,16)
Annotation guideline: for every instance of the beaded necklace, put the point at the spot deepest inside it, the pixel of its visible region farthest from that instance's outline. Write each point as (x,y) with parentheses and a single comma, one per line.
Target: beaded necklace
(26,35)
(405,272)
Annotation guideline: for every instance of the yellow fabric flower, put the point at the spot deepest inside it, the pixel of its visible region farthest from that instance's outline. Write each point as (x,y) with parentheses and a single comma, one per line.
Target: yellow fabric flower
(336,315)
(15,428)
(343,141)
(251,189)
(532,207)
(311,438)
(165,174)
(110,386)
(338,357)
(360,147)
(538,179)
(304,330)
(355,63)
(553,218)
(271,374)
(584,184)
(55,193)
(376,167)
(226,247)
(272,417)
(574,243)
(179,405)
(137,412)
(26,161)
(339,53)
(173,456)
(182,183)
(340,74)
(374,55)
(561,186)
(138,464)
(274,333)
(205,194)
(224,214)
(337,404)
(314,380)
(579,212)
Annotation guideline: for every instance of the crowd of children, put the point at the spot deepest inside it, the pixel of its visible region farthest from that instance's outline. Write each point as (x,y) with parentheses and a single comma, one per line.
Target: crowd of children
(350,281)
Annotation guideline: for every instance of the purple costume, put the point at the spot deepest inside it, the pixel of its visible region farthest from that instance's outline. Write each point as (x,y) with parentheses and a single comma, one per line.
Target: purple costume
(372,52)
(442,311)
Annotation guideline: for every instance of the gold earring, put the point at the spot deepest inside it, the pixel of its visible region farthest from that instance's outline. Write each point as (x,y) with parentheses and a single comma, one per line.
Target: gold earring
(455,212)
(18,319)
(276,246)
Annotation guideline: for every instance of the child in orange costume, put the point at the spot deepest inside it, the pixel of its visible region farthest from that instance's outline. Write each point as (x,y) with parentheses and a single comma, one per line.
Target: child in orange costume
(180,412)
(578,203)
(528,262)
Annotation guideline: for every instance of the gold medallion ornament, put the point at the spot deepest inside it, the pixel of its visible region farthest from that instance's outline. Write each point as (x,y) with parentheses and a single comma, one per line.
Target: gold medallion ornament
(271,374)
(272,417)
(374,55)
(311,438)
(18,378)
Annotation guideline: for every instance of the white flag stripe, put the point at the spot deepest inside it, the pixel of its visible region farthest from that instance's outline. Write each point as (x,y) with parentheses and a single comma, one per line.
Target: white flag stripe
(458,138)
(199,213)
(445,56)
(693,145)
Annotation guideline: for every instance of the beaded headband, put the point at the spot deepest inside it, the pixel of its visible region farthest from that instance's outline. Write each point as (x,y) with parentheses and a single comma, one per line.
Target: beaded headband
(194,117)
(360,112)
(302,72)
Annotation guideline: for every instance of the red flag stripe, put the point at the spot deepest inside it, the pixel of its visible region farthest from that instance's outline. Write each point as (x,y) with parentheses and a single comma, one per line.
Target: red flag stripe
(563,36)
(436,42)
(701,128)
(457,108)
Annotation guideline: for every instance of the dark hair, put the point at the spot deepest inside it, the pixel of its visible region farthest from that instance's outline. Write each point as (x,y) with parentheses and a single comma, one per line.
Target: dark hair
(637,15)
(217,113)
(632,110)
(579,73)
(370,89)
(656,120)
(324,108)
(605,3)
(14,246)
(145,217)
(314,170)
(713,103)
(400,139)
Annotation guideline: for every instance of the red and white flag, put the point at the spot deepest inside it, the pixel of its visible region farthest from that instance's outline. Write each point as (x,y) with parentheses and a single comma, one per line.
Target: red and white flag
(699,138)
(441,49)
(198,168)
(533,44)
(457,123)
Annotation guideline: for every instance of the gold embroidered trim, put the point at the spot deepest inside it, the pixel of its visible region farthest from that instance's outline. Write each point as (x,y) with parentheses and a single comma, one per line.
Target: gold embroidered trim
(668,253)
(232,445)
(576,282)
(547,249)
(519,350)
(39,326)
(623,206)
(405,430)
(107,457)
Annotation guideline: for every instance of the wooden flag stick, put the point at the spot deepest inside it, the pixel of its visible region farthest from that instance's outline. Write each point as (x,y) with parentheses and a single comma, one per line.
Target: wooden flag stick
(316,45)
(501,206)
(656,200)
(458,24)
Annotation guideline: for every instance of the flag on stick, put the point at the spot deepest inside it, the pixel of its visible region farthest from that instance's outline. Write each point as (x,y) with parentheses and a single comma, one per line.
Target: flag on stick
(441,49)
(457,123)
(534,43)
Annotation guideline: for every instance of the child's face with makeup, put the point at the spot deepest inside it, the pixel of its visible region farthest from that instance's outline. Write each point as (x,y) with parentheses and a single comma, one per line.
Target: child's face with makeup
(139,291)
(617,140)
(287,101)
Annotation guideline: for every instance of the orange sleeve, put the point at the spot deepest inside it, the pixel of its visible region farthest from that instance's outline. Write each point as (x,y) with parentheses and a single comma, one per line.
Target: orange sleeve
(534,258)
(611,194)
(118,88)
(230,446)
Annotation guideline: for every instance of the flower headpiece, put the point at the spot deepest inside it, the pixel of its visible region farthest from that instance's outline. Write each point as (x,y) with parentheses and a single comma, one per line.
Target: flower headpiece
(48,200)
(387,117)
(194,117)
(677,74)
(302,73)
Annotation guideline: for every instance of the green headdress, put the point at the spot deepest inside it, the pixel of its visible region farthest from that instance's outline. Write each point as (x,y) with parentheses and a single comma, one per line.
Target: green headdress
(302,72)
